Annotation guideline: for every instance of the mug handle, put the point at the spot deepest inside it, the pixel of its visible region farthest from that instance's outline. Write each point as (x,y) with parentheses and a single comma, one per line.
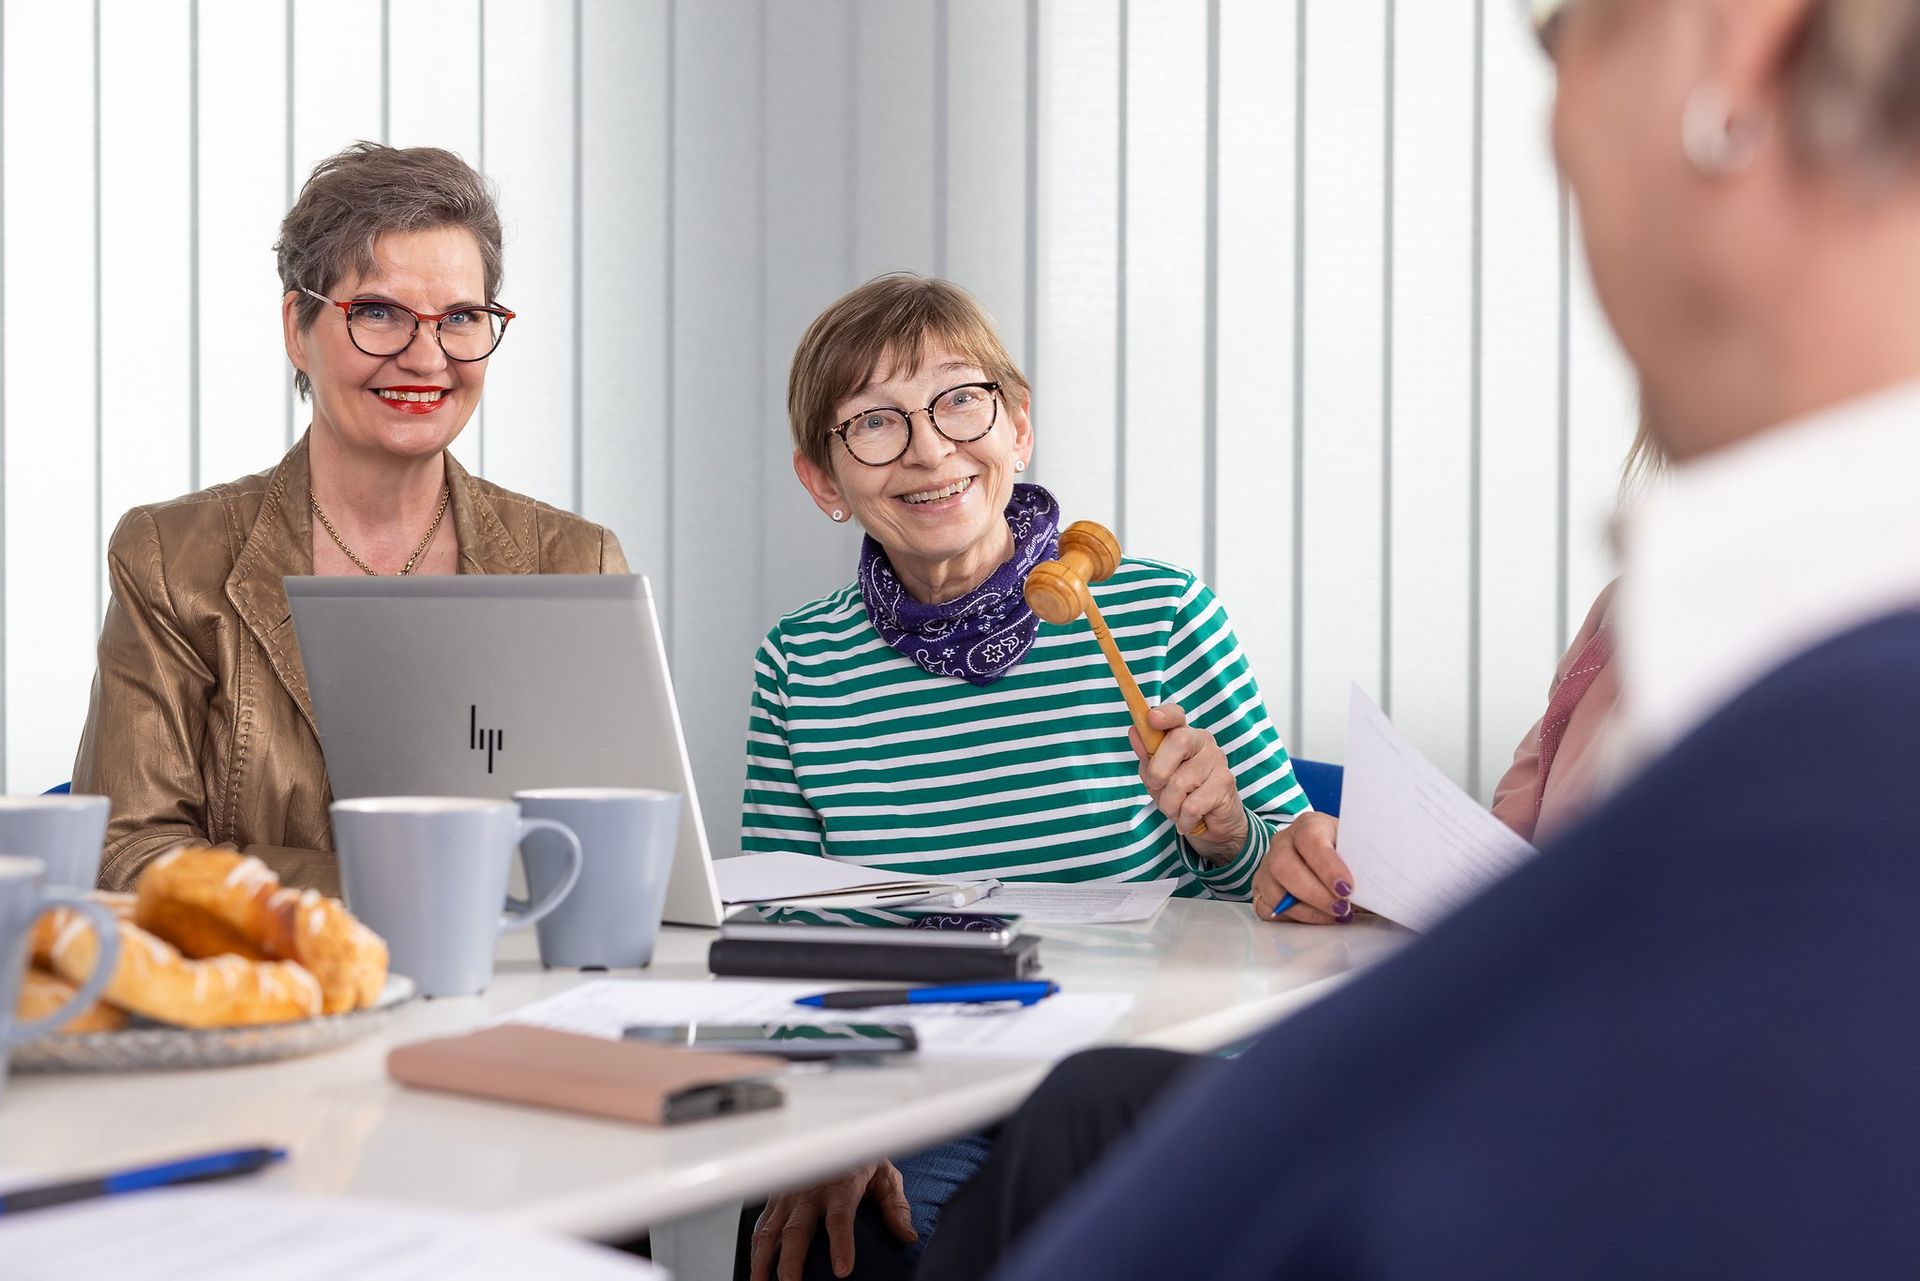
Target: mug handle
(520,913)
(107,927)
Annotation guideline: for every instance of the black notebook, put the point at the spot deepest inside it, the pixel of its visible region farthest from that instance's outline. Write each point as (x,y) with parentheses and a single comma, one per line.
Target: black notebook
(813,959)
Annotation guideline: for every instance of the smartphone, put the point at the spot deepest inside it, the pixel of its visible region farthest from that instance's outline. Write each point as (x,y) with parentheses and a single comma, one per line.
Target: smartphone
(894,925)
(723,1098)
(796,1041)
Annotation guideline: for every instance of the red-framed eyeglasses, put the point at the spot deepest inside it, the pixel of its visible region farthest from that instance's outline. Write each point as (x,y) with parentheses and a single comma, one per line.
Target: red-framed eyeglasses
(382,328)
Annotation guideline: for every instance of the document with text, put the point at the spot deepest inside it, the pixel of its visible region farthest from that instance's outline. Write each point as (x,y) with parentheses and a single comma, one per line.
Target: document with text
(1080,902)
(1417,845)
(786,878)
(1049,1029)
(227,1234)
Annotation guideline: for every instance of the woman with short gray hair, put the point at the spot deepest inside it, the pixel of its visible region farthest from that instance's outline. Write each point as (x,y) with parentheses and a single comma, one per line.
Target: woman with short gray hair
(1675,1044)
(200,727)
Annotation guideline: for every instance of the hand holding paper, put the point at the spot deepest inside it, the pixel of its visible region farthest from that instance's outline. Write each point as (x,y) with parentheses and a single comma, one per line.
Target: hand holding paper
(1419,846)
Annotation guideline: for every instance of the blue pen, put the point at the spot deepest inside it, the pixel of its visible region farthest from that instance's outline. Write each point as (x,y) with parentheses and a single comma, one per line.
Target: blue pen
(197,1169)
(1282,906)
(940,994)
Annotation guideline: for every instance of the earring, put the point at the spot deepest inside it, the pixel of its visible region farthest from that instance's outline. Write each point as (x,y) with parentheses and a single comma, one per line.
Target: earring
(1019,464)
(839,515)
(1718,143)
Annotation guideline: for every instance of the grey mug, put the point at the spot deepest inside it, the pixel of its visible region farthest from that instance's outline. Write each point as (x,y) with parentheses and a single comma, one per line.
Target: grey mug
(429,875)
(23,897)
(66,832)
(627,837)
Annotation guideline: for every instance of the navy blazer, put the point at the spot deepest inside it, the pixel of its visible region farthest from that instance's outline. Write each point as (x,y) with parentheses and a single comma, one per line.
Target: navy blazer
(1683,1042)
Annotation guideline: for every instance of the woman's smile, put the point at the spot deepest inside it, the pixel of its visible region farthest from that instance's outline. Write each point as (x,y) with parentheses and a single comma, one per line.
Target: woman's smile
(943,497)
(411,399)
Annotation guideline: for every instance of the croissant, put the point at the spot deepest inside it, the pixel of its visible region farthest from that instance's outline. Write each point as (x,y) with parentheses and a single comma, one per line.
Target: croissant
(42,993)
(153,979)
(210,902)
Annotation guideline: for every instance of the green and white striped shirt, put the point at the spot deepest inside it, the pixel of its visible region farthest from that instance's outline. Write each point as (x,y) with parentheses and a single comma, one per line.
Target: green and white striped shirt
(857,753)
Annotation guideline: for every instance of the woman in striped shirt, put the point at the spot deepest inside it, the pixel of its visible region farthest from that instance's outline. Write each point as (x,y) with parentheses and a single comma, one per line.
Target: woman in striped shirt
(923,719)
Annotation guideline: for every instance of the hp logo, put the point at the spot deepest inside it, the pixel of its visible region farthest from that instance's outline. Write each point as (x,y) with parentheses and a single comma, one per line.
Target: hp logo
(489,740)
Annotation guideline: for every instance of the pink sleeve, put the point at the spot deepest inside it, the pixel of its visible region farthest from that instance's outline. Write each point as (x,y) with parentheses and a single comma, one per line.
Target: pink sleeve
(1515,796)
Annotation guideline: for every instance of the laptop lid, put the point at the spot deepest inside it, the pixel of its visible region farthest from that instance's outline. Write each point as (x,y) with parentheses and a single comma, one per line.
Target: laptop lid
(487,684)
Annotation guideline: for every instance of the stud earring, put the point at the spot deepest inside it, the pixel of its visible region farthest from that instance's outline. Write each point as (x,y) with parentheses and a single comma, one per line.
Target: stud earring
(1019,464)
(839,515)
(1717,141)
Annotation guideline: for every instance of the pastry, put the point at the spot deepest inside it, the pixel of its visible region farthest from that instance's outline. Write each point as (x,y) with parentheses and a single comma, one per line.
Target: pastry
(42,993)
(210,902)
(154,980)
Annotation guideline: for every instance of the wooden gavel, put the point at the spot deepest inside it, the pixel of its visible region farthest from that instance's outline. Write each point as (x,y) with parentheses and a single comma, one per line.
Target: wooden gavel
(1057,590)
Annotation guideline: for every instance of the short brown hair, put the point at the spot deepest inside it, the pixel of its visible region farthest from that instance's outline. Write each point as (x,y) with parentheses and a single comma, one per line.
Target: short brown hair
(890,317)
(1858,74)
(356,196)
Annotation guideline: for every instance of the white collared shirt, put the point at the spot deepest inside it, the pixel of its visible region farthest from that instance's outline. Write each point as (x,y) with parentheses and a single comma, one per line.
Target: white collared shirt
(1758,552)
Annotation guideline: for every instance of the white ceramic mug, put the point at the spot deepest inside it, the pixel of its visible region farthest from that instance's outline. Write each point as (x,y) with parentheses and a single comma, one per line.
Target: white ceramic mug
(66,832)
(429,875)
(23,898)
(626,837)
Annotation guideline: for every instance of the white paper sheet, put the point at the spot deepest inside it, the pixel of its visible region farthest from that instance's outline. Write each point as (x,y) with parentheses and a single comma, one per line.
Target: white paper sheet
(768,878)
(240,1234)
(1050,1029)
(1086,903)
(1418,846)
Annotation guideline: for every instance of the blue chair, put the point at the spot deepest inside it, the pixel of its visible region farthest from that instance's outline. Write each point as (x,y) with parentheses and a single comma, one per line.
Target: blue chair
(59,789)
(1321,782)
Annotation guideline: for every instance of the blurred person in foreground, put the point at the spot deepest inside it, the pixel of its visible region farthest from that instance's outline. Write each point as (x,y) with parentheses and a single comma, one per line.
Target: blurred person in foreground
(1679,1043)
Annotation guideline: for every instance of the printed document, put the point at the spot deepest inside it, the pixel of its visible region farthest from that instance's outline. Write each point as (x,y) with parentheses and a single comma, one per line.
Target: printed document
(1048,1029)
(778,877)
(228,1234)
(1079,903)
(1418,846)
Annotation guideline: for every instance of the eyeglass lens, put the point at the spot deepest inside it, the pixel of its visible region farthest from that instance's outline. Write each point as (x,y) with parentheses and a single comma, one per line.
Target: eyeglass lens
(961,414)
(382,329)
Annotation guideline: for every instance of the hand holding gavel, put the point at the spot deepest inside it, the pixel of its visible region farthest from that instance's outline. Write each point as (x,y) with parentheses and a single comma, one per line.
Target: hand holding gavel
(1057,590)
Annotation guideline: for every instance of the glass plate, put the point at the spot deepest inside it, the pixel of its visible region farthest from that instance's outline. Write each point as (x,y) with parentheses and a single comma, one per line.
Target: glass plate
(150,1047)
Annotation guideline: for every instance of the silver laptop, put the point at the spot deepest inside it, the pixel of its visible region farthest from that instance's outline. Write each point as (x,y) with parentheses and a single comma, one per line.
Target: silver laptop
(485,684)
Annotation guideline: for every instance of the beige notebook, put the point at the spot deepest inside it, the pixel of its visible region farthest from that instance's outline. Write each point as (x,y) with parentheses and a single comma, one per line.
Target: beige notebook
(626,1080)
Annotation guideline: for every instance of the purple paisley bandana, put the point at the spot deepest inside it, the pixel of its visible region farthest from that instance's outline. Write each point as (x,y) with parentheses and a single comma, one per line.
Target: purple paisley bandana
(982,634)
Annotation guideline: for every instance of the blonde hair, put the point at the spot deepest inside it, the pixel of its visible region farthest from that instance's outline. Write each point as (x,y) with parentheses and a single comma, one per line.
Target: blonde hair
(1645,459)
(1858,79)
(890,318)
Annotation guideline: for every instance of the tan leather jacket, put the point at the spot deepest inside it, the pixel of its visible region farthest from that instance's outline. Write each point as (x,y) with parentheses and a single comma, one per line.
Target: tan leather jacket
(200,726)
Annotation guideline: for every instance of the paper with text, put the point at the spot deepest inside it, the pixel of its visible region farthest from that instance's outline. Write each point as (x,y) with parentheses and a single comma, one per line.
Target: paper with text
(1049,1029)
(1417,845)
(228,1234)
(1080,903)
(772,877)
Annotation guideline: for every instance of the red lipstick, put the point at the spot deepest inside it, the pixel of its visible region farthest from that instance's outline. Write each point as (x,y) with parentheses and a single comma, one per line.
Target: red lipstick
(416,407)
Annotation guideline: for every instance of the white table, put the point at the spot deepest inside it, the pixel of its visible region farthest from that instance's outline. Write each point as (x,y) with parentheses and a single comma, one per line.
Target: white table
(1203,975)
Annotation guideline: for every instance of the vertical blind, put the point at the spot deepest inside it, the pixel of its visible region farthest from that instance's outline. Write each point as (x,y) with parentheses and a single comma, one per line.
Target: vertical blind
(1299,294)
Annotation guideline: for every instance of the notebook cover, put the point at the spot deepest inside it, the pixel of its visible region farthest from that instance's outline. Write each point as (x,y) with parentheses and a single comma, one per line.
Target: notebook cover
(518,1063)
(813,959)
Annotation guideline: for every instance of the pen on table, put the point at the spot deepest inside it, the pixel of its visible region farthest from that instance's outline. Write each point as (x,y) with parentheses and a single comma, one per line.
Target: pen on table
(196,1169)
(940,994)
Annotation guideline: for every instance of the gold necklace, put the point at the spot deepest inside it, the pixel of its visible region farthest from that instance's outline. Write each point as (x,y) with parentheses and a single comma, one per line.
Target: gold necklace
(446,495)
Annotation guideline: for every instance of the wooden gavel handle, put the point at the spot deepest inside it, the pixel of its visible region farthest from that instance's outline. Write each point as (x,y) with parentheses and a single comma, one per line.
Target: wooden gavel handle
(1129,689)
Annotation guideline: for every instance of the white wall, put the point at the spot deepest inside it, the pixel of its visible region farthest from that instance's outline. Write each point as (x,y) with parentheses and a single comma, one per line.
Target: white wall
(1294,282)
